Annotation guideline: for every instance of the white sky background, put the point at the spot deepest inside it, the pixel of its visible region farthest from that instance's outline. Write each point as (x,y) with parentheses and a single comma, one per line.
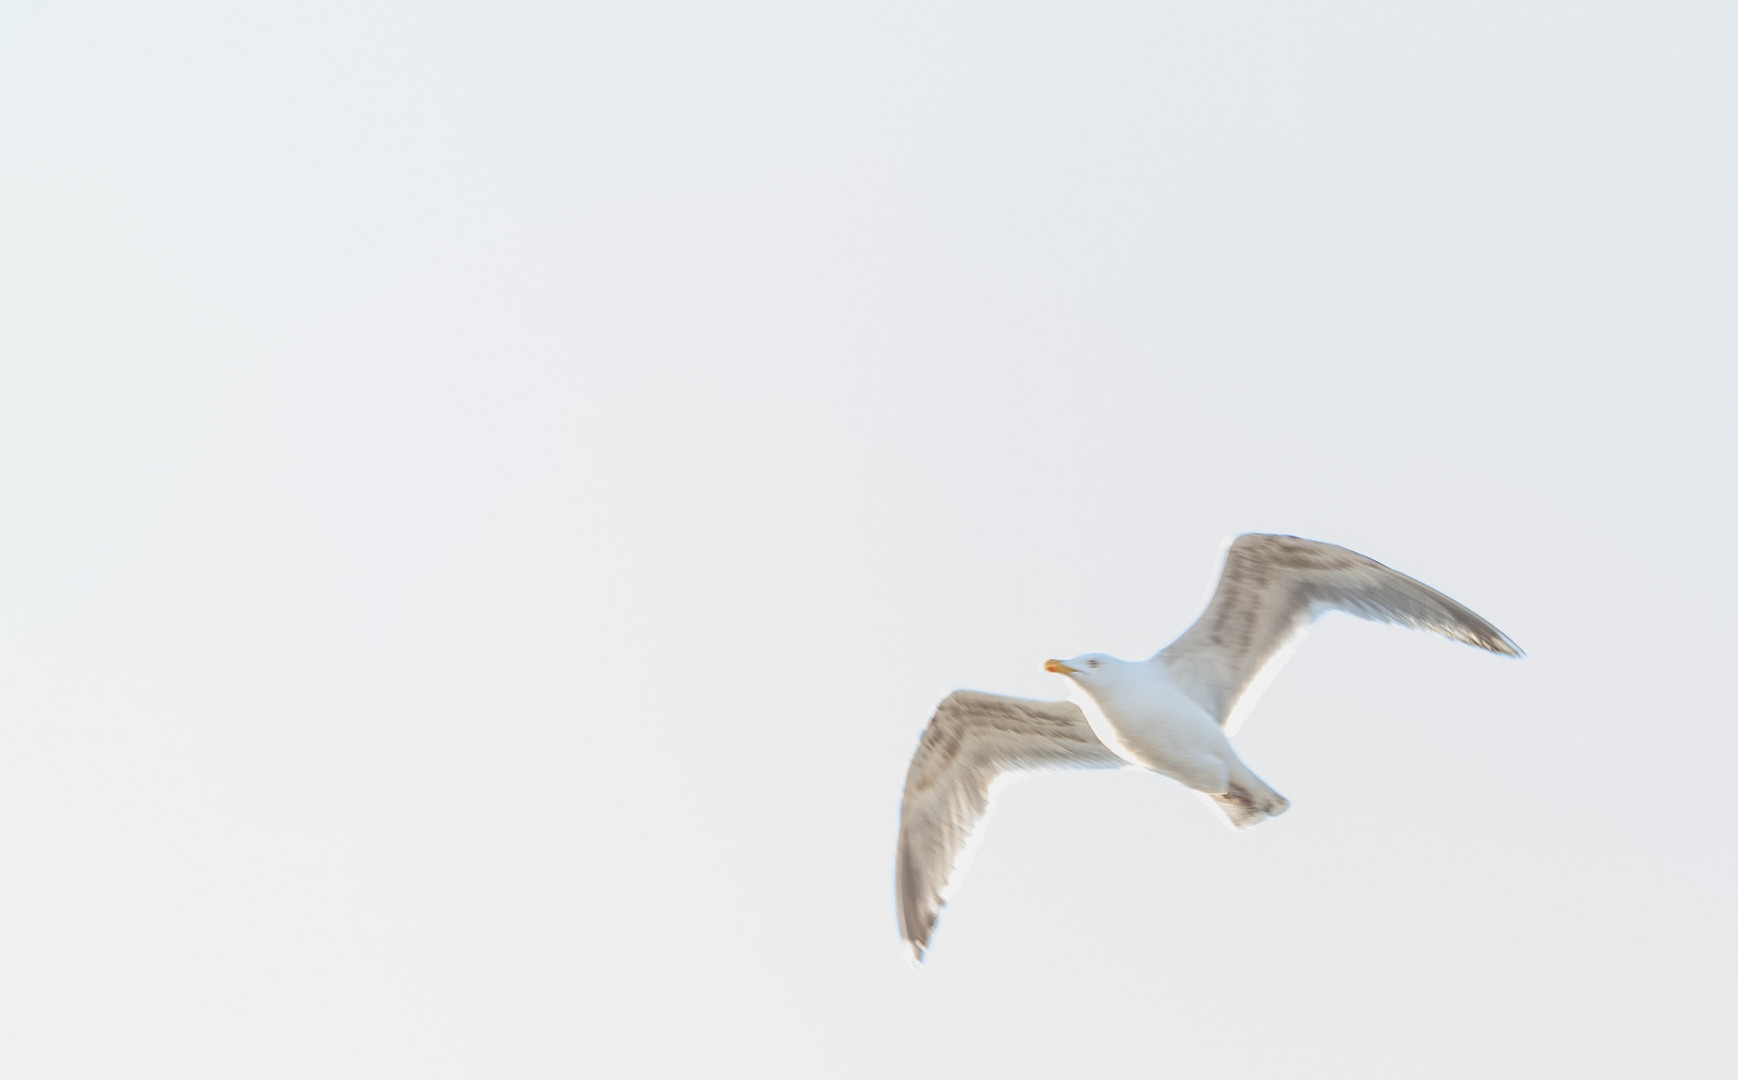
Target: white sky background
(493,492)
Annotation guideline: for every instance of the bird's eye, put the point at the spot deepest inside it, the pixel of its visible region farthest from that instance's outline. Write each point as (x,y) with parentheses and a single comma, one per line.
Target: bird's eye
(1092,663)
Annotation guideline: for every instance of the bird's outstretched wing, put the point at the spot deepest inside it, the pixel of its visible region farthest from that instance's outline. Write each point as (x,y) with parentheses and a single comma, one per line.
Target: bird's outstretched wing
(1272,587)
(972,741)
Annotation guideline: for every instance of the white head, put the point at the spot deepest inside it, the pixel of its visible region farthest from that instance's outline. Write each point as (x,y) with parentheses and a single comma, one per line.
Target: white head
(1087,669)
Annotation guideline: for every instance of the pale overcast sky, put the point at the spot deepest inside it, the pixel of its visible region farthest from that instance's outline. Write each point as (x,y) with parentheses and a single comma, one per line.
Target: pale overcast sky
(493,492)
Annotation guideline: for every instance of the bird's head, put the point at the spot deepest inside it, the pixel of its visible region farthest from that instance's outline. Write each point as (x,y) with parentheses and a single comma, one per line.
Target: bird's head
(1083,669)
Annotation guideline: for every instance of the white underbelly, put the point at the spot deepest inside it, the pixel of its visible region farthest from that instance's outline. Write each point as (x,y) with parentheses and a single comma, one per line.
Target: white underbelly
(1167,732)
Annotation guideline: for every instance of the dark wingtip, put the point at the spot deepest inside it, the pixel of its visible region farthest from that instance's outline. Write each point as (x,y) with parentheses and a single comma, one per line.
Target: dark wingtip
(916,925)
(918,934)
(1478,632)
(918,951)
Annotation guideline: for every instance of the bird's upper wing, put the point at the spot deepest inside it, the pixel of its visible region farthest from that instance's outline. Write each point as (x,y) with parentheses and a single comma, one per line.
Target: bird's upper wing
(1273,586)
(973,740)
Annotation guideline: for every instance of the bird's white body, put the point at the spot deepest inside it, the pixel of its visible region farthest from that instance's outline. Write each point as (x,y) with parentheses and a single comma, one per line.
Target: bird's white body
(1146,719)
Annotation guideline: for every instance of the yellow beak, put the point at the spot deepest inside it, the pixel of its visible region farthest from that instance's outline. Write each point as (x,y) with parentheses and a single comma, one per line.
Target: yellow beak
(1057,667)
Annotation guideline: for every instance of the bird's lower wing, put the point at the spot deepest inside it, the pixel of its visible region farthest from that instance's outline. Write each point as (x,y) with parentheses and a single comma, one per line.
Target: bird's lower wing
(972,741)
(1272,587)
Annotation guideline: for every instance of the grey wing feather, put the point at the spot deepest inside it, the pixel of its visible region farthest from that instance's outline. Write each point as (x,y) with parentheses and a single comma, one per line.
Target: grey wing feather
(1272,587)
(973,740)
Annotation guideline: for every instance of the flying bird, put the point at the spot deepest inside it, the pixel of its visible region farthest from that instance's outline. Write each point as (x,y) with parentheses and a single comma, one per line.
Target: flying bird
(1170,714)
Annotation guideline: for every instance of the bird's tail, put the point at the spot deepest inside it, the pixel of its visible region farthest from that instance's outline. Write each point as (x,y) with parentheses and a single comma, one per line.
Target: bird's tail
(1249,801)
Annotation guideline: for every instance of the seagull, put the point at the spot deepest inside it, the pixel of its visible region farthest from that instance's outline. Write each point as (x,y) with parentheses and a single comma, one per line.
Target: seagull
(1170,714)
